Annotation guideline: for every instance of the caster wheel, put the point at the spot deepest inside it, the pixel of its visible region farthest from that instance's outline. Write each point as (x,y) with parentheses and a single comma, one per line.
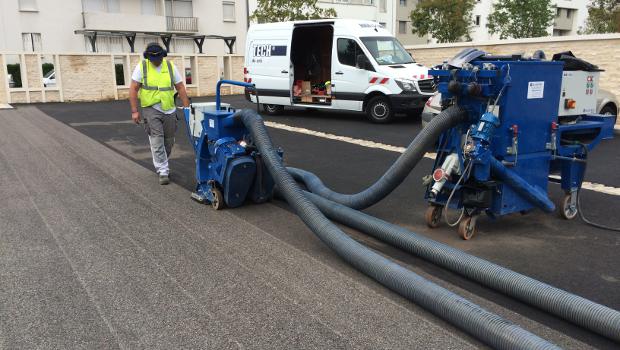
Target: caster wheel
(569,209)
(467,227)
(218,199)
(433,216)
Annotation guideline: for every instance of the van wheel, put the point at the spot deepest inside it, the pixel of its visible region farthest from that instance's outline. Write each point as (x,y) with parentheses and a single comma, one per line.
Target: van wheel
(379,110)
(272,109)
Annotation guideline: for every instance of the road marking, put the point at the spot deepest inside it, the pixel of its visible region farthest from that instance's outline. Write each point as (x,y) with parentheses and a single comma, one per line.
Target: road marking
(592,186)
(102,123)
(359,142)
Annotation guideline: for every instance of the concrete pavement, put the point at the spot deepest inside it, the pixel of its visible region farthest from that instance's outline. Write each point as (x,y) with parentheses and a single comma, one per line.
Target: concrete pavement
(94,255)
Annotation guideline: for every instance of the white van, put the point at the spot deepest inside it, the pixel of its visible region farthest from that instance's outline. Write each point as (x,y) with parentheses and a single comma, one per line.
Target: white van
(334,64)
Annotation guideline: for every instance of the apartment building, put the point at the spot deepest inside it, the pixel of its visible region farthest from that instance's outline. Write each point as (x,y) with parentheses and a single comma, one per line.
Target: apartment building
(570,16)
(218,26)
(380,11)
(403,23)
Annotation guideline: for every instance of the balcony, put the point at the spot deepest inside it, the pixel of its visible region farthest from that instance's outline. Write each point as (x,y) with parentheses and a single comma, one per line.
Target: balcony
(123,21)
(181,24)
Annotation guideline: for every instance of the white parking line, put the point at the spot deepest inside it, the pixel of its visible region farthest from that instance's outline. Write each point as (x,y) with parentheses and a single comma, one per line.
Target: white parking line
(596,187)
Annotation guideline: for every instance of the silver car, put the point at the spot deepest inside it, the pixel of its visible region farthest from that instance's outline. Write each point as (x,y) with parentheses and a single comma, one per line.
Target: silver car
(606,104)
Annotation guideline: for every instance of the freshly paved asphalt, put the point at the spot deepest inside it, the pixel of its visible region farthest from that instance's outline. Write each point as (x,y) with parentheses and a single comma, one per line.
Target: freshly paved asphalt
(138,265)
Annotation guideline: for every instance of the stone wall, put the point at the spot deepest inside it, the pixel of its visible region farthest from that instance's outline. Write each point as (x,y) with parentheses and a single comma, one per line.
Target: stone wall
(4,85)
(33,72)
(602,50)
(87,77)
(91,77)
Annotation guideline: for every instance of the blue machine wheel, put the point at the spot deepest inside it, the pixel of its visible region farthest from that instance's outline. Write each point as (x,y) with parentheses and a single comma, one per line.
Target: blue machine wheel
(433,216)
(569,206)
(218,199)
(467,227)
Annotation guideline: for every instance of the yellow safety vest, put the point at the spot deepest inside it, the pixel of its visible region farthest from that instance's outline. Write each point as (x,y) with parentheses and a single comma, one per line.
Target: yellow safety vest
(157,87)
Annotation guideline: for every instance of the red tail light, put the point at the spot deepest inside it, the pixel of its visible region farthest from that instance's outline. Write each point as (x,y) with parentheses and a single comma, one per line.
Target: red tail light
(428,102)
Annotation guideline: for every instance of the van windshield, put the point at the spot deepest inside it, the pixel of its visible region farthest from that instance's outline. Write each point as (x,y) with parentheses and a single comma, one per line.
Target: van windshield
(387,50)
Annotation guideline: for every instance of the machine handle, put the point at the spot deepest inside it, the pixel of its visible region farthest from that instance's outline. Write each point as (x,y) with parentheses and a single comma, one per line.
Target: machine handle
(230,82)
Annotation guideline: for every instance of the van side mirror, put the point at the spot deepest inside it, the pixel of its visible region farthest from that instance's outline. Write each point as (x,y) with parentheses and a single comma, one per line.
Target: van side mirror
(361,62)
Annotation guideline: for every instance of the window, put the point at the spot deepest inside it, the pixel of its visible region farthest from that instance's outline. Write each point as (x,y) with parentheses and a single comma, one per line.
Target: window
(148,7)
(229,11)
(31,42)
(47,68)
(387,50)
(113,6)
(477,20)
(120,63)
(102,6)
(402,27)
(403,2)
(179,8)
(190,67)
(14,69)
(28,5)
(348,50)
(568,13)
(382,6)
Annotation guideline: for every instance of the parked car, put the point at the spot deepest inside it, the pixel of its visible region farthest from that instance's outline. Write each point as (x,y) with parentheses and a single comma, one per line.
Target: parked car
(336,64)
(9,78)
(49,79)
(606,104)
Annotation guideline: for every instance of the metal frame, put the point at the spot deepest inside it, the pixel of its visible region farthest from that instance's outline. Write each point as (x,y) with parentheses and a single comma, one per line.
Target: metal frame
(166,38)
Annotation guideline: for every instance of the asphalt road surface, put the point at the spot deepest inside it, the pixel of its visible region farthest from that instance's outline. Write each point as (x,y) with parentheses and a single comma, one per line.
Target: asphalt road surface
(567,254)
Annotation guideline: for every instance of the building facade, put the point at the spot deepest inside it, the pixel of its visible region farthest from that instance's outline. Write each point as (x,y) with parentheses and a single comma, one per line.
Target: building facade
(380,11)
(111,26)
(570,17)
(403,23)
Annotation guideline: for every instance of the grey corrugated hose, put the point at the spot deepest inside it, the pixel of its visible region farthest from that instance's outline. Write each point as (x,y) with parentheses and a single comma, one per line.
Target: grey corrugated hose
(396,174)
(480,323)
(586,313)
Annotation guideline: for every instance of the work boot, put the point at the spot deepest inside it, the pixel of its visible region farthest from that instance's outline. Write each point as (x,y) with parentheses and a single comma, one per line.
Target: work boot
(164,179)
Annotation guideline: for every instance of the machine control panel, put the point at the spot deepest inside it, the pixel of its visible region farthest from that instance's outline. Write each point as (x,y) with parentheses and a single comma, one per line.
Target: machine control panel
(579,91)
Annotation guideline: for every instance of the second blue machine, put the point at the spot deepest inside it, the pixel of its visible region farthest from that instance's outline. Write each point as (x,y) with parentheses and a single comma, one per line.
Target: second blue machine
(527,119)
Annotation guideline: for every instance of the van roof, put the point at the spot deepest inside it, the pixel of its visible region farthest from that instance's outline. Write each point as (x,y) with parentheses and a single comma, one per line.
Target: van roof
(359,27)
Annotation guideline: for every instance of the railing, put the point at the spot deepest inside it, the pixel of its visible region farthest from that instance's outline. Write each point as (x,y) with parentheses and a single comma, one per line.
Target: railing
(182,24)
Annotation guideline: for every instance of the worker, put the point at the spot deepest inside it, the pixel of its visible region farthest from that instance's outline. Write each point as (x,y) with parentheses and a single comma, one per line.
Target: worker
(154,80)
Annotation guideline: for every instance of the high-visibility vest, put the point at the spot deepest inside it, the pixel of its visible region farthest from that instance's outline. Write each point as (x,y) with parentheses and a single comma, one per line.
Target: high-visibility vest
(157,87)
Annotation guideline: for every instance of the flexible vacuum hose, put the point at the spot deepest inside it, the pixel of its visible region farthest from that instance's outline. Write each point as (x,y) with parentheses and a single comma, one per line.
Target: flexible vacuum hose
(397,173)
(581,311)
(484,325)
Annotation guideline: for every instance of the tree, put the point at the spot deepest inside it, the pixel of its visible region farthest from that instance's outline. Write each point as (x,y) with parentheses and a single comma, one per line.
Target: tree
(603,17)
(445,20)
(521,18)
(290,10)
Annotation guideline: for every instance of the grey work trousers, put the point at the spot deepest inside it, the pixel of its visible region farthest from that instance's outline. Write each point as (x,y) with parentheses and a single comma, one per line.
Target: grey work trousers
(161,128)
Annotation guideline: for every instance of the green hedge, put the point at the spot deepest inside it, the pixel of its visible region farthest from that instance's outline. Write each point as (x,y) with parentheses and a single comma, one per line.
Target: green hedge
(15,71)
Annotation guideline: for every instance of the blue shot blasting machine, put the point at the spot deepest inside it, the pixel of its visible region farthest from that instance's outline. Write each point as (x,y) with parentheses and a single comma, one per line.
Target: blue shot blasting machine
(520,130)
(229,169)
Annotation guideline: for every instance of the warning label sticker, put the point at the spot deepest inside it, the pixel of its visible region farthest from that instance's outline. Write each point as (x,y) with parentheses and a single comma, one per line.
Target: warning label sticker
(535,89)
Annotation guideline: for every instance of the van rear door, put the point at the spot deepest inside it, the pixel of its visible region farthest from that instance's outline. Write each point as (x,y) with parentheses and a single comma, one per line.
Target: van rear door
(348,82)
(269,67)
